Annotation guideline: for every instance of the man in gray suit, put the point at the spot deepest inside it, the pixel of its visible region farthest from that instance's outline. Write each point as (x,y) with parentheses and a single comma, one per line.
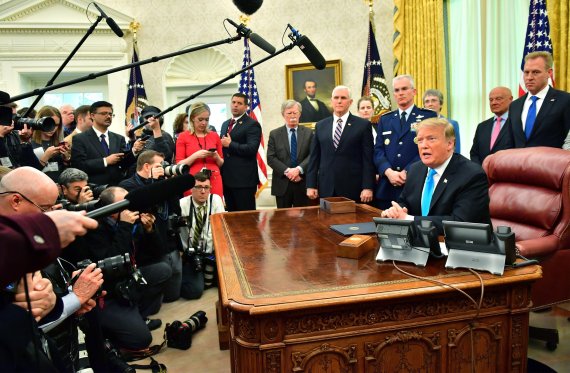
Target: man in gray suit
(288,156)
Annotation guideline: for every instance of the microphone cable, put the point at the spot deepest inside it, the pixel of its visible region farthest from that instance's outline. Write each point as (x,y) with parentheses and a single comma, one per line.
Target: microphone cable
(478,306)
(33,327)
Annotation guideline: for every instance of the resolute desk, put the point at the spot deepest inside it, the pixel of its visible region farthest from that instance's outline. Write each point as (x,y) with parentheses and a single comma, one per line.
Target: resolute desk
(289,304)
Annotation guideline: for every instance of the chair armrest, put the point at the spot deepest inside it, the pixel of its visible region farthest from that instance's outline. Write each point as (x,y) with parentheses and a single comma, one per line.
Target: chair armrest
(538,247)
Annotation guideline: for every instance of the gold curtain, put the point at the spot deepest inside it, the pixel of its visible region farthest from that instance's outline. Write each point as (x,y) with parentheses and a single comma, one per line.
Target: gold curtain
(419,47)
(558,15)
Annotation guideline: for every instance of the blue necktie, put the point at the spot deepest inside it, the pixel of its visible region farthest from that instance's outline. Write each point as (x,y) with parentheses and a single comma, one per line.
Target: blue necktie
(428,192)
(530,117)
(104,144)
(293,148)
(403,121)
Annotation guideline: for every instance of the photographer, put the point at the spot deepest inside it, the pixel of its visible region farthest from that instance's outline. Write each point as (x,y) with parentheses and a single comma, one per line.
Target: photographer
(149,170)
(199,266)
(129,302)
(158,139)
(74,187)
(15,149)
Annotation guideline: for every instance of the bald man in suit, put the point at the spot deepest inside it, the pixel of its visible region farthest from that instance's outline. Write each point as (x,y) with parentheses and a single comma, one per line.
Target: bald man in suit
(493,134)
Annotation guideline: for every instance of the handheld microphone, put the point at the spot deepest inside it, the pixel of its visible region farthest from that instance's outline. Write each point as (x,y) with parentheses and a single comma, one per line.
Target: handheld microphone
(308,48)
(255,39)
(147,196)
(112,24)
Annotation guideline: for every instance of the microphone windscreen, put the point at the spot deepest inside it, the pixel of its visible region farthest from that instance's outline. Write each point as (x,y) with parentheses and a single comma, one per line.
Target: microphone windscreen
(261,43)
(151,194)
(312,53)
(113,25)
(4,97)
(248,6)
(5,116)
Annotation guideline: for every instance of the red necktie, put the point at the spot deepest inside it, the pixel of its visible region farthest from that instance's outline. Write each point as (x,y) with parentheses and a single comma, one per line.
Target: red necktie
(495,133)
(232,122)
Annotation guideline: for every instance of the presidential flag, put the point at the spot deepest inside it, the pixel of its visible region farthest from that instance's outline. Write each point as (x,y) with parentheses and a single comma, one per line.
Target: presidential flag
(374,81)
(248,87)
(537,36)
(136,95)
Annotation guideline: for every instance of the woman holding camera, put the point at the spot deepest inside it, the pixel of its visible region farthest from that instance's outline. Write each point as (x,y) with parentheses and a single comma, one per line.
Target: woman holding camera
(200,148)
(52,152)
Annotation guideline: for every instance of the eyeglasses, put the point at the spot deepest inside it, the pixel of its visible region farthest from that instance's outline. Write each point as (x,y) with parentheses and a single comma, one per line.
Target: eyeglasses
(106,114)
(43,208)
(204,188)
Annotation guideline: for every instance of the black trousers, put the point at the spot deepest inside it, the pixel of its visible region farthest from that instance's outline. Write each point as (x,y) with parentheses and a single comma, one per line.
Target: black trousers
(239,199)
(295,196)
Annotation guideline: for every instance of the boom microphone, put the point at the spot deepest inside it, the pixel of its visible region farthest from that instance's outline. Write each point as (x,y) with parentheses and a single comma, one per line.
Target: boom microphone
(112,24)
(147,196)
(255,39)
(308,48)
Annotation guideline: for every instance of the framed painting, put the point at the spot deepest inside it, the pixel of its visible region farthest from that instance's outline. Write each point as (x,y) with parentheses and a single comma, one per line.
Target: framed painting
(312,88)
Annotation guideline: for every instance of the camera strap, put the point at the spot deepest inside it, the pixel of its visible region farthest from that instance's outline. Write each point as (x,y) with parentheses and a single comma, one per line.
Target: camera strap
(194,214)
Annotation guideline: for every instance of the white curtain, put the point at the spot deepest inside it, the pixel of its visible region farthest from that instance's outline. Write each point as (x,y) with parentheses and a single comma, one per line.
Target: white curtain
(485,45)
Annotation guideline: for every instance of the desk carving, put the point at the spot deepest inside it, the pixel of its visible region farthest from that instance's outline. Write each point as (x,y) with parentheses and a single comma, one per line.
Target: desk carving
(291,305)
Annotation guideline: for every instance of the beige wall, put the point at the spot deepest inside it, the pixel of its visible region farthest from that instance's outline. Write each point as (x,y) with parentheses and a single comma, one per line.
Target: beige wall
(338,28)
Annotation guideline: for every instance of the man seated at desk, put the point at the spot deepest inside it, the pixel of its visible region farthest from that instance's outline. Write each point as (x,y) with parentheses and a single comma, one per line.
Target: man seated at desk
(443,185)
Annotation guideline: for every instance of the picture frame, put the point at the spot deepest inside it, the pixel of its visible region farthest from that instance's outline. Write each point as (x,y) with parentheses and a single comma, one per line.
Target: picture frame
(326,79)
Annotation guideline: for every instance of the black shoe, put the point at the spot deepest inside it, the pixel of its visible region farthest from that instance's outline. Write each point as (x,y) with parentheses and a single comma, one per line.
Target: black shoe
(153,324)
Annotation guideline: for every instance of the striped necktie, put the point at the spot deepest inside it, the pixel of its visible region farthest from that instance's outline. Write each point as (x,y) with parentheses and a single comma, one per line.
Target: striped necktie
(199,225)
(337,133)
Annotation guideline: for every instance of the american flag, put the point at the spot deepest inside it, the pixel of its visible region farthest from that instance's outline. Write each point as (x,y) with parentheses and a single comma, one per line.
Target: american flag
(248,87)
(136,94)
(537,36)
(374,81)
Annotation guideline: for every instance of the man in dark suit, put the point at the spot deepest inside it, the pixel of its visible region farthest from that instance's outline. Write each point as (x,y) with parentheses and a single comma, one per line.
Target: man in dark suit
(542,116)
(241,136)
(341,163)
(288,184)
(102,154)
(492,134)
(395,149)
(444,185)
(313,109)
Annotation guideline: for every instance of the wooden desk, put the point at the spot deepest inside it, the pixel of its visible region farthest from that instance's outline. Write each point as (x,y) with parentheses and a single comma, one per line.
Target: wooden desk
(293,306)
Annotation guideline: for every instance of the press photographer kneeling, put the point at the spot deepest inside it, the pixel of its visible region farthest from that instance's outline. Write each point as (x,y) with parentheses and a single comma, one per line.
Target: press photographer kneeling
(199,263)
(150,169)
(125,310)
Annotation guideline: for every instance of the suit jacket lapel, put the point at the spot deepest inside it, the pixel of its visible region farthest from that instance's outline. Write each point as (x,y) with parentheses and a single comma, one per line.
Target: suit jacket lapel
(284,134)
(96,142)
(547,105)
(515,116)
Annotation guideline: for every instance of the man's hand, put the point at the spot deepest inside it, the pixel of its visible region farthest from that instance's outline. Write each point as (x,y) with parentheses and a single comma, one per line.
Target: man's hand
(128,129)
(366,195)
(312,193)
(129,216)
(115,158)
(226,140)
(293,174)
(70,224)
(42,297)
(157,172)
(138,146)
(25,133)
(395,212)
(85,195)
(147,221)
(87,283)
(397,178)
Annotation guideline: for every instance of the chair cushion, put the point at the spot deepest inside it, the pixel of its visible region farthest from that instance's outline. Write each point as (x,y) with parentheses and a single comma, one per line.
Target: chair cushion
(527,205)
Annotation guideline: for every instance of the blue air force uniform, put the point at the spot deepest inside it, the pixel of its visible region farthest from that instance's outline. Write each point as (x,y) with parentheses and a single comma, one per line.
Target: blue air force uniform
(396,149)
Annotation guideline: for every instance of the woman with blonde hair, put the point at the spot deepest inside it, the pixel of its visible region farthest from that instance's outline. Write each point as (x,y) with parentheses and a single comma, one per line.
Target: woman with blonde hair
(200,148)
(49,147)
